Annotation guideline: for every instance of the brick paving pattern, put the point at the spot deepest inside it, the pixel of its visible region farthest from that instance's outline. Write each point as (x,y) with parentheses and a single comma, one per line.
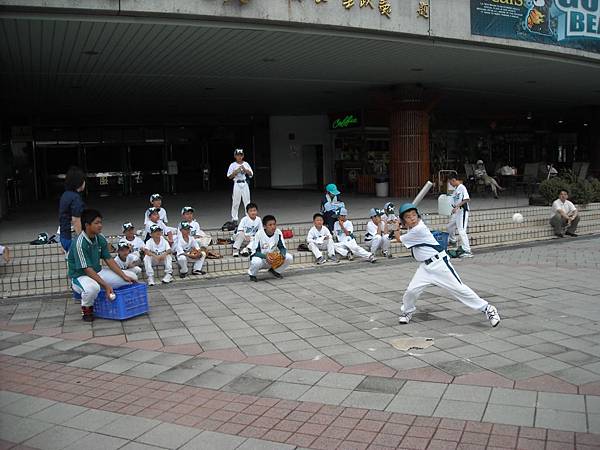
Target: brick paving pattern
(307,362)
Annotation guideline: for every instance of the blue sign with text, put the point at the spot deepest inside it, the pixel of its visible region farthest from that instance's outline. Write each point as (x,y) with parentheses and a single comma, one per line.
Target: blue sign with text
(566,23)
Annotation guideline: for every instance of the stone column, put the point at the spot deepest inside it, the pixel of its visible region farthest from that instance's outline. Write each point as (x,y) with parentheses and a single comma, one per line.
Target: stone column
(409,140)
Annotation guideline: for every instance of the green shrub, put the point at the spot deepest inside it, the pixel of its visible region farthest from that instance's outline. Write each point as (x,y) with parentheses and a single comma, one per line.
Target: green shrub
(581,192)
(549,189)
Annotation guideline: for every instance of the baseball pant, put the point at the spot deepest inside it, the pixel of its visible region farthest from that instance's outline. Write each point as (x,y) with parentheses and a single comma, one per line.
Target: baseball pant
(241,239)
(458,224)
(379,242)
(183,260)
(204,240)
(326,245)
(150,262)
(440,273)
(559,223)
(89,288)
(259,263)
(351,246)
(241,191)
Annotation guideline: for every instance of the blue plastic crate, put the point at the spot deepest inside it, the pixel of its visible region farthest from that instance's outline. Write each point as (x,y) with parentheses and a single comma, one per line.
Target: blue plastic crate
(131,301)
(441,237)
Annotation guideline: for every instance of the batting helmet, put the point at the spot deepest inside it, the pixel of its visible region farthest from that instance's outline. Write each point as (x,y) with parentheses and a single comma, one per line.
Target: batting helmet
(407,207)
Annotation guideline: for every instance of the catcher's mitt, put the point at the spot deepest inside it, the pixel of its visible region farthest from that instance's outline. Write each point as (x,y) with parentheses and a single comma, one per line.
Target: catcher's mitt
(277,260)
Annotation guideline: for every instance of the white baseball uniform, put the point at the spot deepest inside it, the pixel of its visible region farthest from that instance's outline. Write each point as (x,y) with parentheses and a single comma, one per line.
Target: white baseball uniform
(376,237)
(130,263)
(151,261)
(460,219)
(246,231)
(136,244)
(162,215)
(263,245)
(181,247)
(203,239)
(320,240)
(165,229)
(241,191)
(347,243)
(435,269)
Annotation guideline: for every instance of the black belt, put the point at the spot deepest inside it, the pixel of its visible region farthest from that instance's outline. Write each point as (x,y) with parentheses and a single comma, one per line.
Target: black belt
(240,181)
(434,258)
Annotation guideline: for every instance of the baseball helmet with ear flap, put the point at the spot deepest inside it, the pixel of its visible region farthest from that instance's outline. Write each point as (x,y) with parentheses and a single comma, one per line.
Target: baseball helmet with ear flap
(407,207)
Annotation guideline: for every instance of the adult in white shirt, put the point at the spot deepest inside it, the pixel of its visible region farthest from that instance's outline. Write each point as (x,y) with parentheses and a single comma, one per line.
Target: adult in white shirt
(564,217)
(239,172)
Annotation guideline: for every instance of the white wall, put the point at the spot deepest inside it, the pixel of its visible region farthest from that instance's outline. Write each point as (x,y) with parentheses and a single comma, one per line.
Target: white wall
(286,155)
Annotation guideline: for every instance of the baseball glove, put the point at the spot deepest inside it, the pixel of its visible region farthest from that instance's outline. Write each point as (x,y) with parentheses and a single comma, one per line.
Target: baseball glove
(277,260)
(195,253)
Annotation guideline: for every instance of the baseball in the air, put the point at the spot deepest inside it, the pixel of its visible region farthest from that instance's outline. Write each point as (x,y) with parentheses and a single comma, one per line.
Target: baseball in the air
(112,296)
(518,218)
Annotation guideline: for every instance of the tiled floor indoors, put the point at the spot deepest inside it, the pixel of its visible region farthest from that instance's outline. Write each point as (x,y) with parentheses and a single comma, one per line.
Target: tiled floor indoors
(308,362)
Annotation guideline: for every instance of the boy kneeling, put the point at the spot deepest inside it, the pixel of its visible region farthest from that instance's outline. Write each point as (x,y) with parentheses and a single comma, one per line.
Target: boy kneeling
(85,269)
(269,250)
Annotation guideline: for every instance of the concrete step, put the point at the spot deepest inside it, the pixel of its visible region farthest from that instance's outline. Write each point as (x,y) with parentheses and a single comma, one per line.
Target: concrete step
(479,221)
(54,280)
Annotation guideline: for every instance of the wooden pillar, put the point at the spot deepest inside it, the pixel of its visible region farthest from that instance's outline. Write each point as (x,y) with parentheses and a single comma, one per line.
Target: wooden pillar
(409,142)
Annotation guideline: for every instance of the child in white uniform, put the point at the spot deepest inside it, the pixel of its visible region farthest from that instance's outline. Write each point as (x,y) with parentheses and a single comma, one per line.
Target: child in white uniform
(154,220)
(5,254)
(239,171)
(187,215)
(126,260)
(459,219)
(135,243)
(435,269)
(246,230)
(187,249)
(156,202)
(377,234)
(320,238)
(346,245)
(267,243)
(158,252)
(391,221)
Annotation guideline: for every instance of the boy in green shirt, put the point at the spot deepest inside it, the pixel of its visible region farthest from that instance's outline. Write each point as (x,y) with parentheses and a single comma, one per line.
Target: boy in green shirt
(85,269)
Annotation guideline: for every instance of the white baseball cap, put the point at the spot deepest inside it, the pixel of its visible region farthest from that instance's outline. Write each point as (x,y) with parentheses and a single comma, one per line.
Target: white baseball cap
(238,151)
(343,212)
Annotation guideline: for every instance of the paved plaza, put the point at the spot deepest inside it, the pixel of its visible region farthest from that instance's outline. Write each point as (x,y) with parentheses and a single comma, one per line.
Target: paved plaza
(308,362)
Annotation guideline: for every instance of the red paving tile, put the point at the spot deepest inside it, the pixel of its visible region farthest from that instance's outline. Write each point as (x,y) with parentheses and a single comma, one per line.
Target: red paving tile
(277,435)
(183,349)
(425,374)
(546,383)
(436,444)
(323,364)
(253,432)
(325,443)
(118,339)
(485,378)
(229,354)
(148,344)
(387,440)
(590,388)
(371,369)
(301,440)
(276,359)
(421,432)
(530,444)
(411,442)
(470,437)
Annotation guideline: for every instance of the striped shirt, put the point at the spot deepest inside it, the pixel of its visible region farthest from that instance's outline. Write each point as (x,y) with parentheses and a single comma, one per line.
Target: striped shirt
(86,252)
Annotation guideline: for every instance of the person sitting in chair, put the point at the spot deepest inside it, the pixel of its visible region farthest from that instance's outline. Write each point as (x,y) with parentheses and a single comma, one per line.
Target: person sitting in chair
(481,174)
(564,217)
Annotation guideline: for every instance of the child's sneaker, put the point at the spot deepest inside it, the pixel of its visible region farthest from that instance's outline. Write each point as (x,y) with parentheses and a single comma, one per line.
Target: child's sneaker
(151,281)
(321,260)
(236,253)
(404,318)
(350,256)
(182,275)
(167,278)
(253,278)
(87,313)
(466,255)
(492,314)
(372,258)
(334,259)
(199,272)
(388,255)
(245,252)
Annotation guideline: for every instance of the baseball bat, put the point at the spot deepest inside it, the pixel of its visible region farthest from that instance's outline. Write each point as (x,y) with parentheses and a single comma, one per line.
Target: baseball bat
(422,193)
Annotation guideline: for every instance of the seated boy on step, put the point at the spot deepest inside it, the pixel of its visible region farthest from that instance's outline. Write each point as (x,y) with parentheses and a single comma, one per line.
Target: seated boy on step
(246,230)
(84,266)
(187,249)
(346,244)
(158,253)
(320,239)
(269,251)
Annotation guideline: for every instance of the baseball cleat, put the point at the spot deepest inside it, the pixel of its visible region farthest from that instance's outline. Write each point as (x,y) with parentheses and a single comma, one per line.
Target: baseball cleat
(372,259)
(236,254)
(253,278)
(167,278)
(466,255)
(404,318)
(199,272)
(182,274)
(151,281)
(350,256)
(245,253)
(334,259)
(321,260)
(275,274)
(492,314)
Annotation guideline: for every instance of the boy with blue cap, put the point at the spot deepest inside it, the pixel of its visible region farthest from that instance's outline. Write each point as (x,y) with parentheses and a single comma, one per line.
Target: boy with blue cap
(435,269)
(346,244)
(377,233)
(331,205)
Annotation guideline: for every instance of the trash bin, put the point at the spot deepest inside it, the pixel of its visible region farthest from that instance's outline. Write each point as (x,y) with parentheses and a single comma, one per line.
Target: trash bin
(382,187)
